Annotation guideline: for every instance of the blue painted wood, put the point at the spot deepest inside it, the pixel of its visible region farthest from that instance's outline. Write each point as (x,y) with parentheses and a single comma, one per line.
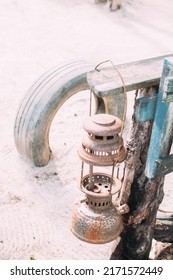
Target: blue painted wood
(168,90)
(145,108)
(160,140)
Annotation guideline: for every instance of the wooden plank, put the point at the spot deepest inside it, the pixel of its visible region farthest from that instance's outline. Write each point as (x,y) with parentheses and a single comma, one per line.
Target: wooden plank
(161,136)
(136,75)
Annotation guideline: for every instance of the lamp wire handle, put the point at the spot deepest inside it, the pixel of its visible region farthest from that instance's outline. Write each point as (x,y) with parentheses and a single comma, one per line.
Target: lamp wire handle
(123,84)
(124,113)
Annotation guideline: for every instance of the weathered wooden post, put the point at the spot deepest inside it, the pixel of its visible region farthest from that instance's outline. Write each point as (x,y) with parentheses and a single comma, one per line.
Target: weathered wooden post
(147,163)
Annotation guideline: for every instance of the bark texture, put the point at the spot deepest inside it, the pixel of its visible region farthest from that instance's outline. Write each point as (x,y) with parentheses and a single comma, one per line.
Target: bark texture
(166,253)
(143,195)
(164,229)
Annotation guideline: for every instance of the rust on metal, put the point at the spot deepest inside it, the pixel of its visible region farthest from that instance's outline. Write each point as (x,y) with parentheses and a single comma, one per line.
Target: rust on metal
(96,218)
(102,185)
(94,226)
(102,144)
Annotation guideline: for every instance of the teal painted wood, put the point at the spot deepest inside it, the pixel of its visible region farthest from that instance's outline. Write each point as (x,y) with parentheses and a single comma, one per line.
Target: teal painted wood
(161,137)
(168,90)
(145,108)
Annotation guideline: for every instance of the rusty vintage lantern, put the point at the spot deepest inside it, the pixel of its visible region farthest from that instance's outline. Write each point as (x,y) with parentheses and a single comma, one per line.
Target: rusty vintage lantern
(96,219)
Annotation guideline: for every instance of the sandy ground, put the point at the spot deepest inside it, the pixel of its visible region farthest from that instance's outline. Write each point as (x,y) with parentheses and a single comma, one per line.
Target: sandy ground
(35,203)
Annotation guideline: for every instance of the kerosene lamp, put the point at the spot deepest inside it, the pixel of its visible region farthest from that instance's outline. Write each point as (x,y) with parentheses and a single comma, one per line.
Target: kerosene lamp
(96,219)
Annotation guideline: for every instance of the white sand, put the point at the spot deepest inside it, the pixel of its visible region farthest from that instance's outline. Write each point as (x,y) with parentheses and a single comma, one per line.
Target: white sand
(35,203)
